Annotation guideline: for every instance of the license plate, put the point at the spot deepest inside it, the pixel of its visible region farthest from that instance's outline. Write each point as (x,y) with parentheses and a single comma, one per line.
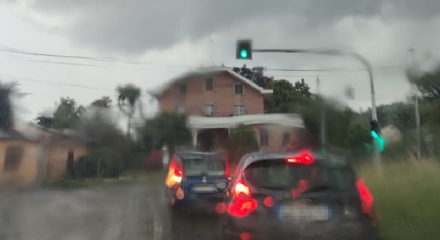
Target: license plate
(204,188)
(306,213)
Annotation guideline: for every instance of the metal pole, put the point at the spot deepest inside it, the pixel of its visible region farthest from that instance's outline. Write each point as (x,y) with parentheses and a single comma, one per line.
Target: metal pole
(416,109)
(334,52)
(318,84)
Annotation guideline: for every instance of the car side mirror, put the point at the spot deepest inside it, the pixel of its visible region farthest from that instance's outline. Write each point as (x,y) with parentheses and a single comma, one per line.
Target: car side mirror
(222,186)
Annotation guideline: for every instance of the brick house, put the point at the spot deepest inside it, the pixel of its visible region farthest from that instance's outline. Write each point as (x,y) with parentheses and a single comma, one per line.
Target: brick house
(218,99)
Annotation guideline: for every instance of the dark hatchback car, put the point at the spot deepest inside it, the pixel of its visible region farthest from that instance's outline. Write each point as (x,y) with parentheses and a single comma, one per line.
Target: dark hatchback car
(296,196)
(196,180)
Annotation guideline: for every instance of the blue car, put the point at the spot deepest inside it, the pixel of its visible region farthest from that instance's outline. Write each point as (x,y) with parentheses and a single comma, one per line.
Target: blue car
(196,180)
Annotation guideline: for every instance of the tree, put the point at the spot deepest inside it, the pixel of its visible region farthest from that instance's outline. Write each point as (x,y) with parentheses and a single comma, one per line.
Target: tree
(8,91)
(303,88)
(104,102)
(67,114)
(110,152)
(7,115)
(255,74)
(167,128)
(403,117)
(128,97)
(241,140)
(358,136)
(427,83)
(44,121)
(284,97)
(338,119)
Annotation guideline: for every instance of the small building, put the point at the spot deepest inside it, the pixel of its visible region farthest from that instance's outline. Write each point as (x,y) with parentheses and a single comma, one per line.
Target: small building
(32,154)
(19,160)
(218,99)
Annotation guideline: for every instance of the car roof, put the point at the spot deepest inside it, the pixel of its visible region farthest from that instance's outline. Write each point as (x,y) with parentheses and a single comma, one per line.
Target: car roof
(192,155)
(327,159)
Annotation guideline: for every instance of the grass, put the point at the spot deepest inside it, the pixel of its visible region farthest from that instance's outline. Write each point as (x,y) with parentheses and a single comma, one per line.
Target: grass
(407,199)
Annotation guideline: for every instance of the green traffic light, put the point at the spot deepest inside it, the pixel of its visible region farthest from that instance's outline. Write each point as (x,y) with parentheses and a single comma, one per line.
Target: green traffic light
(243,53)
(379,139)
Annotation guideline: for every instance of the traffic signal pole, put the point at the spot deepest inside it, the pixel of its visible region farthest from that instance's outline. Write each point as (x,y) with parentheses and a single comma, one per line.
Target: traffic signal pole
(334,52)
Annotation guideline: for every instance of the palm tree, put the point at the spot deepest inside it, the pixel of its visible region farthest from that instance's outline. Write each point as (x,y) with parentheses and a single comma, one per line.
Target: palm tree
(128,97)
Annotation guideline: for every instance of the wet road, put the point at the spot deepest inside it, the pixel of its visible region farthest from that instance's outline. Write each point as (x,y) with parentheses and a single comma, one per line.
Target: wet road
(107,212)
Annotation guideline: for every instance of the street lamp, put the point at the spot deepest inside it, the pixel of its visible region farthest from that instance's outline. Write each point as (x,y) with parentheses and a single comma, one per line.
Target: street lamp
(332,52)
(414,74)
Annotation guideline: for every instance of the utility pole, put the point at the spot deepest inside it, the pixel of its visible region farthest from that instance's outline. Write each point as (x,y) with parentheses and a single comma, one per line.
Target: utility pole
(212,51)
(323,149)
(416,107)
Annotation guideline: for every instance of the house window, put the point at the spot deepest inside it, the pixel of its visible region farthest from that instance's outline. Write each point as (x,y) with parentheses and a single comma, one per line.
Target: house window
(208,110)
(209,84)
(238,109)
(182,89)
(13,158)
(238,88)
(264,137)
(180,109)
(286,138)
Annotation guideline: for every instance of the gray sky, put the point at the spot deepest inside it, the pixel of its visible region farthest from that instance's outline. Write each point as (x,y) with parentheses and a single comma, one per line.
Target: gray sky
(148,42)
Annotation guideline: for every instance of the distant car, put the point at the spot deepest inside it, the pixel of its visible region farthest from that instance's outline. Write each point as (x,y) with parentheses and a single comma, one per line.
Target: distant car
(195,181)
(296,195)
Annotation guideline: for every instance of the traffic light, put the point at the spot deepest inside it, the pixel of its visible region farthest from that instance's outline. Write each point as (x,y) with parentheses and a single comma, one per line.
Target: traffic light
(376,134)
(244,49)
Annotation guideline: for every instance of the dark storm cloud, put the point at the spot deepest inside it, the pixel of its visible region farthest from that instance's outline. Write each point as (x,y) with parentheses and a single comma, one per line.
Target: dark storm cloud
(133,26)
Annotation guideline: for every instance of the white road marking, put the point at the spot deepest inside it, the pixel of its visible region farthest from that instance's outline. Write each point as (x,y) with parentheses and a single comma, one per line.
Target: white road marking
(157,231)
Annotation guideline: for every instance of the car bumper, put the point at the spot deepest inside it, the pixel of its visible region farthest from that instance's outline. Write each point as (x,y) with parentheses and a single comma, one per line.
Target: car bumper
(245,230)
(296,236)
(199,202)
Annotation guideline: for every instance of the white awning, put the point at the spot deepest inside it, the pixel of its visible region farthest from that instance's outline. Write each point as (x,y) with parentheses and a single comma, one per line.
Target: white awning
(198,122)
(288,120)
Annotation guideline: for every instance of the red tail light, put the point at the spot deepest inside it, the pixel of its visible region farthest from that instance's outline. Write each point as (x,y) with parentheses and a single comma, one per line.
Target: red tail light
(243,203)
(366,197)
(240,190)
(178,172)
(304,157)
(175,174)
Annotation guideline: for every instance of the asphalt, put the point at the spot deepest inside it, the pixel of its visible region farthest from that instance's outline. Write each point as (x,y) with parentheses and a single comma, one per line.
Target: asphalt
(106,212)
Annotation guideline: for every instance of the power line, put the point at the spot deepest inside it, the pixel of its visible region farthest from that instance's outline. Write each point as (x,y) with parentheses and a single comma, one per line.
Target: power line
(79,57)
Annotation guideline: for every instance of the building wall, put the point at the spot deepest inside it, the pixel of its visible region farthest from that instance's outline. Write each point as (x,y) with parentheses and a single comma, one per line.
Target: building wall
(222,96)
(57,157)
(27,171)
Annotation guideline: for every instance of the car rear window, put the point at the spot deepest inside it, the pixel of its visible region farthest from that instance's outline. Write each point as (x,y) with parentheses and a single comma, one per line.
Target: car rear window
(277,174)
(203,167)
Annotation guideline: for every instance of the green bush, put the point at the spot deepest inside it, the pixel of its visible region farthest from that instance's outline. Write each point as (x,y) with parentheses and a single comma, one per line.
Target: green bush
(241,140)
(91,166)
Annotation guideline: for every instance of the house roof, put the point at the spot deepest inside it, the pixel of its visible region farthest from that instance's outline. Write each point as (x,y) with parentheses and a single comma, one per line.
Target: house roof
(162,88)
(10,134)
(64,133)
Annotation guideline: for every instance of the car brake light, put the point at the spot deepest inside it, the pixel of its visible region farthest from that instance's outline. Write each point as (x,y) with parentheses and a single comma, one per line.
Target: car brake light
(178,172)
(304,157)
(241,190)
(366,197)
(175,174)
(242,204)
